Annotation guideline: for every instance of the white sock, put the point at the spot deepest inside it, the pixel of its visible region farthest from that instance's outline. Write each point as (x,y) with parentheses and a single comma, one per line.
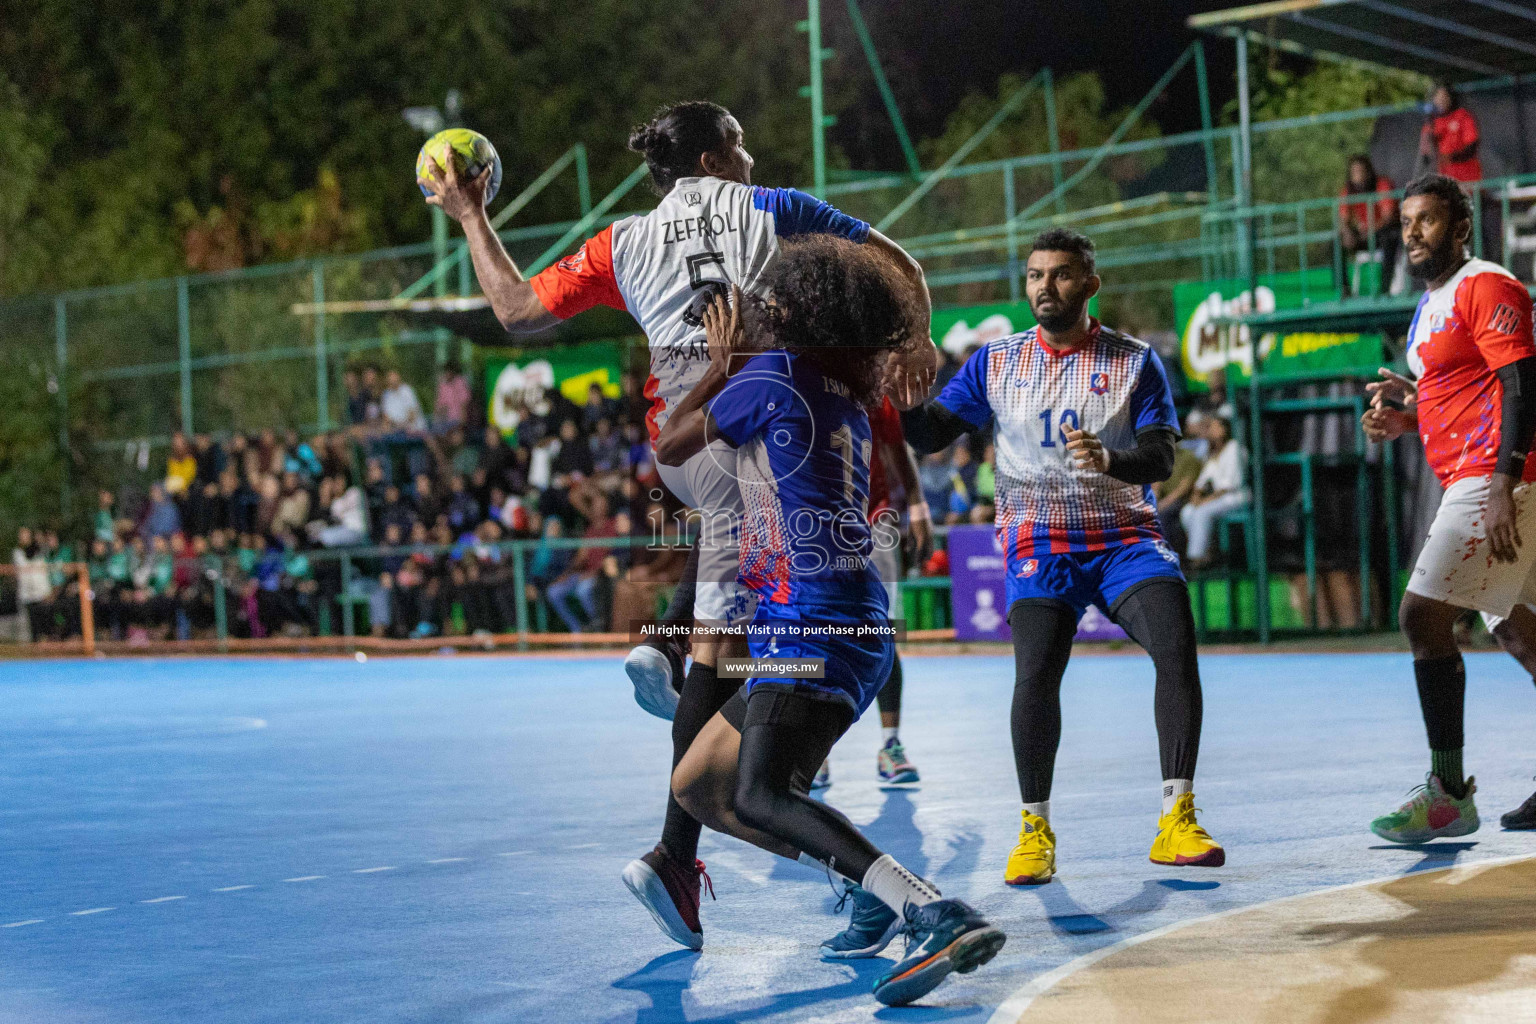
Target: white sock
(887,733)
(895,886)
(1173,789)
(1042,809)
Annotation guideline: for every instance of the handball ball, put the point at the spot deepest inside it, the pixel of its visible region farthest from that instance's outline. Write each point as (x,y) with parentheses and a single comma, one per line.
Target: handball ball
(473,152)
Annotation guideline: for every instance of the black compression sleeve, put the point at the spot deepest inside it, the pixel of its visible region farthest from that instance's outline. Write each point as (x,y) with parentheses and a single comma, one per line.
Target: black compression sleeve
(1518,421)
(1150,462)
(931,427)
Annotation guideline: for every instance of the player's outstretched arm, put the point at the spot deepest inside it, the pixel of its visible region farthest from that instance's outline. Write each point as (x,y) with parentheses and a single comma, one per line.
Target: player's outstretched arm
(512,298)
(690,427)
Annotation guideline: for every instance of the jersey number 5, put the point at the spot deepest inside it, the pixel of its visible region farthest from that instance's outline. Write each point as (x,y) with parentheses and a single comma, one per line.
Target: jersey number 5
(706,273)
(1048,418)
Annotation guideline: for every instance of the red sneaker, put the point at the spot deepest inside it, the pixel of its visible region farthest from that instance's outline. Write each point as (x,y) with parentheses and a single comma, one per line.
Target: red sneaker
(671,892)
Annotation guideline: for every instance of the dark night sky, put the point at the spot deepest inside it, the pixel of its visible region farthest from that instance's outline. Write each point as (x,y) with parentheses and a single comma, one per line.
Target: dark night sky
(958,46)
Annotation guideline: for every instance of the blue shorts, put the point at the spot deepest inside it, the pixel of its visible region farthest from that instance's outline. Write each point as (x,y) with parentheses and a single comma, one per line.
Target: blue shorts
(856,669)
(1081,578)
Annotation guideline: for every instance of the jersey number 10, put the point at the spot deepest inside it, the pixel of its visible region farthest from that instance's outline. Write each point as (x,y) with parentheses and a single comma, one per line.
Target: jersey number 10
(1048,418)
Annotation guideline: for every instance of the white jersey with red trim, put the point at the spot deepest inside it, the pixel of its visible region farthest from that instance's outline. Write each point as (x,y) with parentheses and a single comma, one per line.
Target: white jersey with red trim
(665,266)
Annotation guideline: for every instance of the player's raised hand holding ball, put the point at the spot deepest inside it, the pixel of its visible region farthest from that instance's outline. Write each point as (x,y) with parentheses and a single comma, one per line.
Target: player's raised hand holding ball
(459,170)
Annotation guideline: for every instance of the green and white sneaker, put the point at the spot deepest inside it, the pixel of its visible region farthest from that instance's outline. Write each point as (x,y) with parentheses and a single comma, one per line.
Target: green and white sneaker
(1430,813)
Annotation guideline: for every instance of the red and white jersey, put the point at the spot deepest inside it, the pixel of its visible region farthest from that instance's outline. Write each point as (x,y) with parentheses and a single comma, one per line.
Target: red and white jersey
(1463,331)
(884,427)
(665,267)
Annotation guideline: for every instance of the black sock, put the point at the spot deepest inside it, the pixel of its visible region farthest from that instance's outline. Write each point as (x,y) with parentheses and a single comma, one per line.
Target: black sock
(1442,698)
(702,696)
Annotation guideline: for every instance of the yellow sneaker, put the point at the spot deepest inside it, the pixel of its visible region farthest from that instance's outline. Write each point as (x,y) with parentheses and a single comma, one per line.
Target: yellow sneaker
(1033,861)
(1181,841)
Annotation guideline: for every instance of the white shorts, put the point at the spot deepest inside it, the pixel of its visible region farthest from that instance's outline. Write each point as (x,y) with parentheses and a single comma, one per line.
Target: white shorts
(1456,565)
(887,562)
(707,483)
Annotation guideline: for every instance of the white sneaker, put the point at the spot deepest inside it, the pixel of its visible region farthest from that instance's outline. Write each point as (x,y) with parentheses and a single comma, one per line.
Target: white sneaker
(651,672)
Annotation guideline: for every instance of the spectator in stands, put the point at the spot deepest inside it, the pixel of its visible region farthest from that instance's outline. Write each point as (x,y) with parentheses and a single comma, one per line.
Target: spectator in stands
(451,406)
(345,524)
(357,398)
(1368,217)
(1173,493)
(400,406)
(597,407)
(962,484)
(373,414)
(462,509)
(1451,136)
(104,524)
(32,590)
(180,467)
(426,500)
(162,518)
(658,558)
(632,402)
(292,506)
(1220,488)
(572,457)
(607,453)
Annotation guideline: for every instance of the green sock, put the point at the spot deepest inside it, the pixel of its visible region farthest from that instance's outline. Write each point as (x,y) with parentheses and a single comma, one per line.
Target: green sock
(1446,764)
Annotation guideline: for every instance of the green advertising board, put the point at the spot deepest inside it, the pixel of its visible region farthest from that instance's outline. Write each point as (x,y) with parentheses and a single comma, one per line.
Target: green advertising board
(513,377)
(1208,348)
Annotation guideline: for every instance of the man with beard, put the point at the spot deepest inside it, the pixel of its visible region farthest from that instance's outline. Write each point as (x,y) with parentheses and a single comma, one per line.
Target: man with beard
(1474,407)
(1085,424)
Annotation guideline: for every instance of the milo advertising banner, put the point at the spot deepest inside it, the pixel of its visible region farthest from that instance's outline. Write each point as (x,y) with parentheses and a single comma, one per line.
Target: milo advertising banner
(1207,347)
(511,382)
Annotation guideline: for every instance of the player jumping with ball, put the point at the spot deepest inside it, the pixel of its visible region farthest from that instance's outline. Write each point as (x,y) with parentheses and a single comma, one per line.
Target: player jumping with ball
(712,229)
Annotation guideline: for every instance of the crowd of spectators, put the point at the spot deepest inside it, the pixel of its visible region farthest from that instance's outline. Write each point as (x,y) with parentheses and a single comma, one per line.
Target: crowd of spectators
(253,519)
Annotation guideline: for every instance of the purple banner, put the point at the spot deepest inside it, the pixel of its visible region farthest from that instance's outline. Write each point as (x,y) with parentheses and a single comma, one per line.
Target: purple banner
(977,575)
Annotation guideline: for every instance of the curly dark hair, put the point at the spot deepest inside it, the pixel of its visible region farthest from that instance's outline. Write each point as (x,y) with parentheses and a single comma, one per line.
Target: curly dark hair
(1067,240)
(673,141)
(840,305)
(1444,188)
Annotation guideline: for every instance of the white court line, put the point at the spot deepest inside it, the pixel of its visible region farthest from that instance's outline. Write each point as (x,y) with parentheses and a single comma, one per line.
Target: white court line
(22,924)
(93,910)
(163,899)
(370,871)
(447,860)
(514,853)
(232,888)
(305,878)
(1014,1006)
(584,846)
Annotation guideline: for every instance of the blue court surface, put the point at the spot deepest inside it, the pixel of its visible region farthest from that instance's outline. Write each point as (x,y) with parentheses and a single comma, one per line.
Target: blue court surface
(440,839)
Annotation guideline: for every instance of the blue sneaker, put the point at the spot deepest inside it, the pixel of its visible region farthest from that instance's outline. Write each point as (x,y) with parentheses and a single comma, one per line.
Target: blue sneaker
(943,936)
(892,764)
(872,928)
(823,777)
